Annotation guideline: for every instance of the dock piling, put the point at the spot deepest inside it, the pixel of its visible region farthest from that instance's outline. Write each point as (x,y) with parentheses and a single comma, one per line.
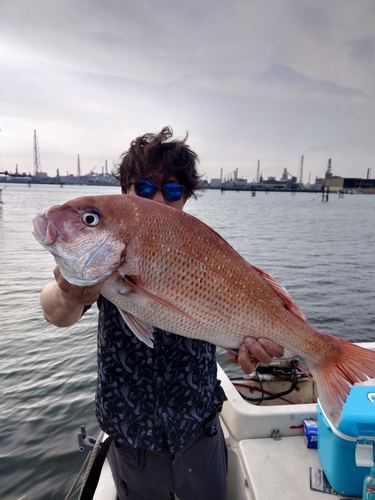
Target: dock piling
(325,193)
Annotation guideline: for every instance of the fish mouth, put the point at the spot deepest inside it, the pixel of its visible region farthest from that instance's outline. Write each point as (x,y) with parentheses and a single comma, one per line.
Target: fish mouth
(44,230)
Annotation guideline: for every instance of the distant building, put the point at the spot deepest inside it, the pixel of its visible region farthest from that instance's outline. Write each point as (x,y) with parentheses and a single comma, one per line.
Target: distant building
(317,186)
(365,186)
(215,183)
(235,184)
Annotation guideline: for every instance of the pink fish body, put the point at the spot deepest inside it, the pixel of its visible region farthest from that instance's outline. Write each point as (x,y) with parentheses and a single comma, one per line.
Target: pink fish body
(162,267)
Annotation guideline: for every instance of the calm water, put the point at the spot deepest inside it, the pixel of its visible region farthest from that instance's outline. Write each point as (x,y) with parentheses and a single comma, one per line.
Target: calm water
(323,253)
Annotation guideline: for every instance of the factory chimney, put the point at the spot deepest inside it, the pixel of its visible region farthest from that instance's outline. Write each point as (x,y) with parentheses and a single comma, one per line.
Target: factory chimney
(300,176)
(78,168)
(37,167)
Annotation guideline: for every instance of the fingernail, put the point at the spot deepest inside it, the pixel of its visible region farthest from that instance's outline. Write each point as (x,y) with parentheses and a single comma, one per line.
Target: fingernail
(243,347)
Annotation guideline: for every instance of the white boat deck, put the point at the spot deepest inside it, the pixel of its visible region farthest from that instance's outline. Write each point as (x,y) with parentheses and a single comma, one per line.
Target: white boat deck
(280,468)
(106,489)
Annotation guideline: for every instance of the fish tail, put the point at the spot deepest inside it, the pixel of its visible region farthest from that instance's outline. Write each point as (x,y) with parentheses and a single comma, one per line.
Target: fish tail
(355,364)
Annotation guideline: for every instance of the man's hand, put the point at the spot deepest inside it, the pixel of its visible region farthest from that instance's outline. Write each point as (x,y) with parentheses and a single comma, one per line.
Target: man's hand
(255,351)
(80,295)
(63,303)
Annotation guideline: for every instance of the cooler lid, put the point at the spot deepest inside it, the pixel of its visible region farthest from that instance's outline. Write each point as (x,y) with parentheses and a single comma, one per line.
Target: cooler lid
(356,417)
(358,414)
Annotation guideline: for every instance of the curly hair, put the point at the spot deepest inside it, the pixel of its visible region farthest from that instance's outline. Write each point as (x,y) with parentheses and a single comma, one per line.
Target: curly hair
(159,152)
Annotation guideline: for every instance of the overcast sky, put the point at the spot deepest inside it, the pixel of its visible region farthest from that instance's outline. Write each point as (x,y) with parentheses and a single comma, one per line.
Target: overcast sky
(250,80)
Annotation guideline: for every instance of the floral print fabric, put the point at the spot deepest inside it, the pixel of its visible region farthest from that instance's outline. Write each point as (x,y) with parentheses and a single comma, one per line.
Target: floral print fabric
(153,399)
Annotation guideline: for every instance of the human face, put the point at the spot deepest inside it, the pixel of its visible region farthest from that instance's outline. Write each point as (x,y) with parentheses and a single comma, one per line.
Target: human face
(158,196)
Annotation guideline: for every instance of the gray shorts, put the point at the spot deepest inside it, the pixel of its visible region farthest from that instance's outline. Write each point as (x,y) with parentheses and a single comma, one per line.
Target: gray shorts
(197,472)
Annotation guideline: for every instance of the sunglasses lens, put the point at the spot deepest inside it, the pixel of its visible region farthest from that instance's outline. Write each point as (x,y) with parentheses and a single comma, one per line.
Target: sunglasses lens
(145,188)
(172,192)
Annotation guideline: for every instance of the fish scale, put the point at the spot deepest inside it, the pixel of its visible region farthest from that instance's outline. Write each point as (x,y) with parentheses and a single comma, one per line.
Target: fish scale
(162,267)
(184,255)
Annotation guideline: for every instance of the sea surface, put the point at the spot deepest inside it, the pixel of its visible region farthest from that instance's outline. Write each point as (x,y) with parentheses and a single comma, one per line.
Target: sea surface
(322,252)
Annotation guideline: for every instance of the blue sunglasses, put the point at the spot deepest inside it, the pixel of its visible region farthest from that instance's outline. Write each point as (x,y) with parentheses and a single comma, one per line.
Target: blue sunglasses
(171,191)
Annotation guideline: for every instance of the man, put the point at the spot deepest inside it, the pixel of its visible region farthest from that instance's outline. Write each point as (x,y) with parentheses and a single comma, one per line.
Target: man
(159,405)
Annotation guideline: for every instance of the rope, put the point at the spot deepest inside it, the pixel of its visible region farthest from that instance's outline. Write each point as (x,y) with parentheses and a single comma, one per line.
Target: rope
(87,464)
(72,492)
(93,454)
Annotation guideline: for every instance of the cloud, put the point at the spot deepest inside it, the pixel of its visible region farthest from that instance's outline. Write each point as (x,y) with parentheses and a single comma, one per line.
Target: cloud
(278,73)
(362,49)
(249,80)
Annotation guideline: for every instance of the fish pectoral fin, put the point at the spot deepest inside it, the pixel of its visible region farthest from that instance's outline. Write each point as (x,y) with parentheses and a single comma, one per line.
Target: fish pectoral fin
(146,297)
(282,293)
(123,288)
(141,330)
(140,301)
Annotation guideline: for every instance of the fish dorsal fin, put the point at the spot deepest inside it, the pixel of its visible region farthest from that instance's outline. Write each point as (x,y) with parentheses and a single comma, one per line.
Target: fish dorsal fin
(145,295)
(141,330)
(289,303)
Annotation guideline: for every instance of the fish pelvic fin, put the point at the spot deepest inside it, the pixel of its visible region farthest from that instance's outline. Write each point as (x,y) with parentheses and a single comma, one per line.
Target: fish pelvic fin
(356,364)
(282,293)
(141,330)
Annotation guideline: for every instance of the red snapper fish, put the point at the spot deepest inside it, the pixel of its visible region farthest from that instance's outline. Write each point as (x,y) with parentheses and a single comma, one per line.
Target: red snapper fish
(163,267)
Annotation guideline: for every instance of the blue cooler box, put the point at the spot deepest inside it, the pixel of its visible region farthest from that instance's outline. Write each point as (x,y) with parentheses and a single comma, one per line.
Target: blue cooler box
(346,452)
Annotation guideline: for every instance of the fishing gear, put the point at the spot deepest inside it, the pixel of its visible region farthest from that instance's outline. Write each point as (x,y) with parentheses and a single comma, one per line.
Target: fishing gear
(293,372)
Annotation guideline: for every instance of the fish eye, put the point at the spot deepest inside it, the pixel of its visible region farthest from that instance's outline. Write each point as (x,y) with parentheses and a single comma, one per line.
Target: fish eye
(90,219)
